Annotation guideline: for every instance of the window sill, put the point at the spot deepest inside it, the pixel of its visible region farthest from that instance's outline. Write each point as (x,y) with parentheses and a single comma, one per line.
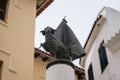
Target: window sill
(5,24)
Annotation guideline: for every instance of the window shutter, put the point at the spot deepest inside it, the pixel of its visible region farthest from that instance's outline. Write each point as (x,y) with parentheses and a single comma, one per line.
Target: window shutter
(90,72)
(103,57)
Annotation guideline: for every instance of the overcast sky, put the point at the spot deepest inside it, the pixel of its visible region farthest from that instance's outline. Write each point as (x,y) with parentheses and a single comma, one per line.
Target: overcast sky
(80,15)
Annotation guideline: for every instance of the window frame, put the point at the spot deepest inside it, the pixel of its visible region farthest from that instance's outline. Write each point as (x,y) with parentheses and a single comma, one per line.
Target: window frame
(90,72)
(3,10)
(102,57)
(1,67)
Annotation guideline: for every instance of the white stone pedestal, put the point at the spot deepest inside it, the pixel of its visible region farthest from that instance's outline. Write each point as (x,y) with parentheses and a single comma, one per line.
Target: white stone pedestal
(60,70)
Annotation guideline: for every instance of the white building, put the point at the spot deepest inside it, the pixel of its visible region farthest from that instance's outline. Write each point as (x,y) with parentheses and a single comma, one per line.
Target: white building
(103,47)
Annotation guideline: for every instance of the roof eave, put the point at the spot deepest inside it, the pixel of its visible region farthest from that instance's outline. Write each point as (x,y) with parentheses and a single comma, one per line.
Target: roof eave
(94,31)
(45,5)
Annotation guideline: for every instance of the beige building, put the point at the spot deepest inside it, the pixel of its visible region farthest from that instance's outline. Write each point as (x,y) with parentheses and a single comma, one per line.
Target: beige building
(17,25)
(18,59)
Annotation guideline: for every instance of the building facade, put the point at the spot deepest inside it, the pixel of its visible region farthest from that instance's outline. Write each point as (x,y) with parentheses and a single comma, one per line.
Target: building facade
(103,48)
(17,26)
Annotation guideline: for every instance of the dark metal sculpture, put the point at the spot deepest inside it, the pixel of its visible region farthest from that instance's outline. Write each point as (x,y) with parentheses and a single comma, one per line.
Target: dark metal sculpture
(62,43)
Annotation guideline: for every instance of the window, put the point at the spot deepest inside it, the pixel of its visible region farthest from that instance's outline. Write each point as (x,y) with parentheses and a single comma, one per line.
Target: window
(90,72)
(103,57)
(3,4)
(1,64)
